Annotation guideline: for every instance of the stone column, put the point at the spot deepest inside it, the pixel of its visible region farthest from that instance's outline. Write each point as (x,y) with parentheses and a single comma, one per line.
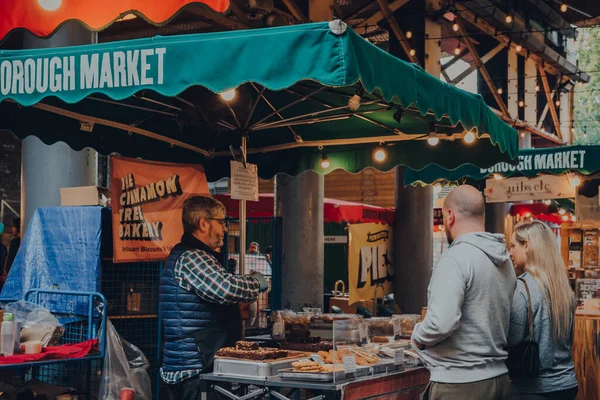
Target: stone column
(299,201)
(413,231)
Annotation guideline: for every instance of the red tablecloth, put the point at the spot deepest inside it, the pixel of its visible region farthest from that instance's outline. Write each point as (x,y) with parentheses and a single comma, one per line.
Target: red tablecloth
(76,350)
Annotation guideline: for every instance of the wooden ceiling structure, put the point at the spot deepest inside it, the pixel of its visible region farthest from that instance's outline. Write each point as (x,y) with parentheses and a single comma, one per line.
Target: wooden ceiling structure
(537,30)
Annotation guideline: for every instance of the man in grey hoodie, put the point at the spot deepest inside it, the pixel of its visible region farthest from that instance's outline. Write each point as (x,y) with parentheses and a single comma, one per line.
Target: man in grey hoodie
(462,340)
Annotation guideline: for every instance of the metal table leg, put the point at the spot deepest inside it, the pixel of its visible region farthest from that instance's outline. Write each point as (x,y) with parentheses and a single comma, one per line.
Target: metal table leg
(251,395)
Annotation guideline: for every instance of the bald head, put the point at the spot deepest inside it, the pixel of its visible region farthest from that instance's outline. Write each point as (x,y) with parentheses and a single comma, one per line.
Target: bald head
(464,212)
(466,202)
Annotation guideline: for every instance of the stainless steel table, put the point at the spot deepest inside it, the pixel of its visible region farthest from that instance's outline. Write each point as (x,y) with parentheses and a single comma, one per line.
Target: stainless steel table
(256,389)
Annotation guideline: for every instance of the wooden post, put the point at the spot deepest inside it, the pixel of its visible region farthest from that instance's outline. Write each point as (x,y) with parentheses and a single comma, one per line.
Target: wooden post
(389,17)
(295,10)
(481,67)
(512,84)
(487,57)
(320,10)
(550,102)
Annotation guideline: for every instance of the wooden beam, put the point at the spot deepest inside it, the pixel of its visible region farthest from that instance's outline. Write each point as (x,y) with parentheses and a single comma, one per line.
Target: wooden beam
(217,18)
(550,102)
(545,111)
(117,125)
(524,126)
(484,72)
(320,10)
(360,11)
(379,16)
(234,6)
(391,20)
(491,31)
(446,77)
(295,10)
(490,54)
(571,115)
(454,60)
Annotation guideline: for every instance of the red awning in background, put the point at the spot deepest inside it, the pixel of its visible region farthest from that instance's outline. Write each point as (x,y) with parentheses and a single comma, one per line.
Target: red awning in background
(334,210)
(42,17)
(536,210)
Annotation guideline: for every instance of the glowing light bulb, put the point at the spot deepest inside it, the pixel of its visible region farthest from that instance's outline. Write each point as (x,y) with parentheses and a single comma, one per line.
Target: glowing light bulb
(576,181)
(537,88)
(228,95)
(354,102)
(412,52)
(565,218)
(509,19)
(547,202)
(521,103)
(469,137)
(573,218)
(562,211)
(325,163)
(455,27)
(457,51)
(50,5)
(498,177)
(500,91)
(519,48)
(527,215)
(380,155)
(564,8)
(433,139)
(522,134)
(408,34)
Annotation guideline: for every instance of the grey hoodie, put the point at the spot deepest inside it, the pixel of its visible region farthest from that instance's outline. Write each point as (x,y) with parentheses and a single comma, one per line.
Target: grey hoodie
(468,311)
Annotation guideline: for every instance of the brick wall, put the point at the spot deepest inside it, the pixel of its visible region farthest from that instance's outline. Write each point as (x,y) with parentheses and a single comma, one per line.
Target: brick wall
(10,174)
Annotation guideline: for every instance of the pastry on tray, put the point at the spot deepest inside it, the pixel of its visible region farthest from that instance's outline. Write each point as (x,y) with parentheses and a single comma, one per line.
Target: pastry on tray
(245,345)
(313,367)
(363,358)
(255,355)
(380,339)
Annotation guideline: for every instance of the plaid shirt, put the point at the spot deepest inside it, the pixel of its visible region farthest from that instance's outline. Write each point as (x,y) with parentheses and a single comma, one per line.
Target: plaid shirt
(199,272)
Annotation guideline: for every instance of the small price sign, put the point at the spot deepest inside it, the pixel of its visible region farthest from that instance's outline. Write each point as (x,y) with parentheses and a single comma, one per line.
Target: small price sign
(363,332)
(398,357)
(349,364)
(397,328)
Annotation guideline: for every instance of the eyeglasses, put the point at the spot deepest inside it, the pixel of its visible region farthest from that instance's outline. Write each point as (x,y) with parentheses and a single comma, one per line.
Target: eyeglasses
(222,221)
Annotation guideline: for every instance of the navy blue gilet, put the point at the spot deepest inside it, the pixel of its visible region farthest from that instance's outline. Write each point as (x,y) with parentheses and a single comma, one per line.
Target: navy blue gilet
(185,315)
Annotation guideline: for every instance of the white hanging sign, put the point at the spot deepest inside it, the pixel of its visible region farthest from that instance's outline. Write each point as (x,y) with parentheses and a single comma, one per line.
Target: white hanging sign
(244,181)
(541,187)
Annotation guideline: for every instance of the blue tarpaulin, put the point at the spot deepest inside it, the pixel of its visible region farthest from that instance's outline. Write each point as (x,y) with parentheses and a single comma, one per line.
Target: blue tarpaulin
(60,250)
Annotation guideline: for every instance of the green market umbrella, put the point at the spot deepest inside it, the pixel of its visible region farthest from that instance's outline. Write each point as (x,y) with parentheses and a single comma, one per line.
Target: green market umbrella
(303,94)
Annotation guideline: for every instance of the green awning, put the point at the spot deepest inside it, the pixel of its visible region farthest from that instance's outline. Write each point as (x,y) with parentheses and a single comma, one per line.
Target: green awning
(155,98)
(582,159)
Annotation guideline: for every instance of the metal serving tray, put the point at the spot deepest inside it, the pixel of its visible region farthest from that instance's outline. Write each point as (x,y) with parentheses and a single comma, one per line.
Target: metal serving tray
(257,369)
(289,374)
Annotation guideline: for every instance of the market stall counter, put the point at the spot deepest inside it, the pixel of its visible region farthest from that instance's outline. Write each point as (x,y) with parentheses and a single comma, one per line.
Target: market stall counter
(324,355)
(408,383)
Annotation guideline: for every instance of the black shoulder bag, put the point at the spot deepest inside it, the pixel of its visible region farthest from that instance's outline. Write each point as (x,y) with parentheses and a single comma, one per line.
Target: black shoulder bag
(524,358)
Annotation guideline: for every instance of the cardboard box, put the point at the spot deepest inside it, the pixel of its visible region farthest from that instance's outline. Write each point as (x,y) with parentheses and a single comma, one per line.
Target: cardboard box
(84,196)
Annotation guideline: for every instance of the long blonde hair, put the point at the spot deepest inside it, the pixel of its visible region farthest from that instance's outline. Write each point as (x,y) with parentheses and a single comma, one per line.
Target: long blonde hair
(545,264)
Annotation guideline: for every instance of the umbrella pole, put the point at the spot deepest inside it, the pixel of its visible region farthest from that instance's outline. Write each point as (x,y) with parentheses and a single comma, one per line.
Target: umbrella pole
(242,225)
(242,222)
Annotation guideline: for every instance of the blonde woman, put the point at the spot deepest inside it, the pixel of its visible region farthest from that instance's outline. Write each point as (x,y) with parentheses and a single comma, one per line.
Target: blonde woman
(537,260)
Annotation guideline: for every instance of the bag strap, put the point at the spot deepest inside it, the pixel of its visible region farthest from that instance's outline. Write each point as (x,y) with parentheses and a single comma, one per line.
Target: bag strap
(531,339)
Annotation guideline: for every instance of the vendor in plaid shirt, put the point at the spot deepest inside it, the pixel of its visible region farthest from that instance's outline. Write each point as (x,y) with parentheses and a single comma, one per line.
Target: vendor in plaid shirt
(199,300)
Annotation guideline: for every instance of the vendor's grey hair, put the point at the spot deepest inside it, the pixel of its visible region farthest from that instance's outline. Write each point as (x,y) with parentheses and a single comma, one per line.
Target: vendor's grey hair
(197,207)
